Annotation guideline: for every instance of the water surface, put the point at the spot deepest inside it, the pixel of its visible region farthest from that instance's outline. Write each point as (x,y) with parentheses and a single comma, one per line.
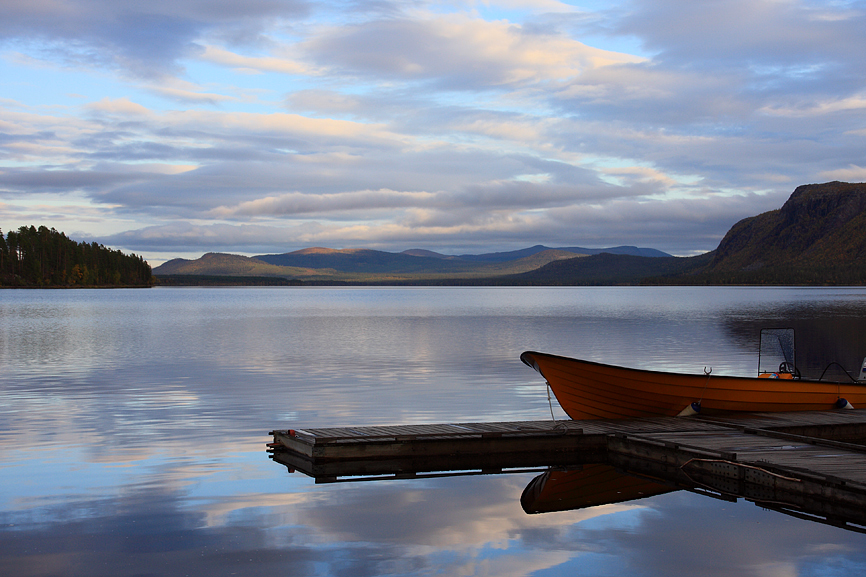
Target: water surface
(133,426)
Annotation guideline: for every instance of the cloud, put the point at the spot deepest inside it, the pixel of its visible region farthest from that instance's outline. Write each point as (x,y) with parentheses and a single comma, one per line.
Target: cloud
(142,40)
(853,173)
(821,108)
(654,94)
(122,106)
(334,182)
(456,52)
(253,64)
(297,203)
(65,180)
(787,35)
(460,124)
(188,96)
(534,6)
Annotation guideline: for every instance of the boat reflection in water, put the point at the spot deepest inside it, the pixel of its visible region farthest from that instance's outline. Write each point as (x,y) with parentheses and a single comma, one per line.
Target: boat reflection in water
(590,486)
(604,484)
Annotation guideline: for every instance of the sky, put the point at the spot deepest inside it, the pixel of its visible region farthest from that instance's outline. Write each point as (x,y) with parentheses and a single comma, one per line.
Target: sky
(175,128)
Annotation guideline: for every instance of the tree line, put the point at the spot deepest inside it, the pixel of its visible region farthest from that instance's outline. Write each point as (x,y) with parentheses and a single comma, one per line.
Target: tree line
(43,257)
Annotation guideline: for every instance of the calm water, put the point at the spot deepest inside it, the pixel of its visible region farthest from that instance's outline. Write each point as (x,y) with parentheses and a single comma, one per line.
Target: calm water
(133,426)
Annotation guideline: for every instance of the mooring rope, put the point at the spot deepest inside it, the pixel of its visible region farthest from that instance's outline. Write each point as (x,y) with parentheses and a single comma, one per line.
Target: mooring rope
(549,402)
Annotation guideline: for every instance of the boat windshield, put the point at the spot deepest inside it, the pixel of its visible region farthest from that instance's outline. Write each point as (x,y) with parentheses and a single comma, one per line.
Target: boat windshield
(777,347)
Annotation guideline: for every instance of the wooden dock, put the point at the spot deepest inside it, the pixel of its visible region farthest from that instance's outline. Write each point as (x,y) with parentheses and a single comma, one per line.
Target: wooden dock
(800,463)
(331,453)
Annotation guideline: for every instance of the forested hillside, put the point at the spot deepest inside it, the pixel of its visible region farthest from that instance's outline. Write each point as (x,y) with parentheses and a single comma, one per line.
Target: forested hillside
(817,237)
(44,257)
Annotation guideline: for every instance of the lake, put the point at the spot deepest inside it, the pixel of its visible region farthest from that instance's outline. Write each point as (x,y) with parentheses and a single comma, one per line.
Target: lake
(133,426)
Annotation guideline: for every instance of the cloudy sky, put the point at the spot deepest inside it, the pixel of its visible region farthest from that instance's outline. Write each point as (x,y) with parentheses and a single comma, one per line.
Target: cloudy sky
(177,127)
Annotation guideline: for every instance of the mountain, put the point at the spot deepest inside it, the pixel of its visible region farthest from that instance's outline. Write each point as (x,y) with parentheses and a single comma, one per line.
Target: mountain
(321,265)
(423,252)
(817,237)
(419,260)
(515,254)
(606,269)
(214,263)
(356,260)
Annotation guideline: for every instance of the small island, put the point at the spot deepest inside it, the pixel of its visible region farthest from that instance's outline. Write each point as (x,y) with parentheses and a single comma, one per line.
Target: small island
(45,258)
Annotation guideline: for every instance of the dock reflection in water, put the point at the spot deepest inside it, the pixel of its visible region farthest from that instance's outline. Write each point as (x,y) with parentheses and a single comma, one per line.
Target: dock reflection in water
(604,484)
(801,464)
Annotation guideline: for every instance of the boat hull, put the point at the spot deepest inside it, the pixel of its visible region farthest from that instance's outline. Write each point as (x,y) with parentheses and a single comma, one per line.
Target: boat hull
(589,390)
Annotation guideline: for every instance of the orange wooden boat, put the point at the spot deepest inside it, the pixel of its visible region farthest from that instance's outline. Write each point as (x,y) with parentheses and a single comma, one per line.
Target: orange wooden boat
(589,390)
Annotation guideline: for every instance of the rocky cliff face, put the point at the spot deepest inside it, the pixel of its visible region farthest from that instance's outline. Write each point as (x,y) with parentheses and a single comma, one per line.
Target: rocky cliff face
(820,225)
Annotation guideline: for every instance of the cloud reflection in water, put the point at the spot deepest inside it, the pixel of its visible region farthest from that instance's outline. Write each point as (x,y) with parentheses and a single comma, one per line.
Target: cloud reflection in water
(133,427)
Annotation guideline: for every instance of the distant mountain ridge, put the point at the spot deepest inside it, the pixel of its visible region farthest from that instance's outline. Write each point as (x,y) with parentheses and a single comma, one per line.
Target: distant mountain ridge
(515,254)
(419,260)
(817,237)
(220,264)
(354,265)
(506,256)
(319,264)
(362,261)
